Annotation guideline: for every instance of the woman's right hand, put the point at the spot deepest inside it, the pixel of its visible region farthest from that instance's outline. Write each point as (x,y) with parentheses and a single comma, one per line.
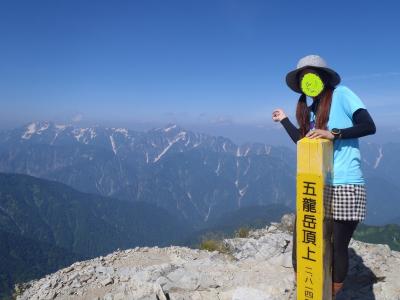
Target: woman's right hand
(278,115)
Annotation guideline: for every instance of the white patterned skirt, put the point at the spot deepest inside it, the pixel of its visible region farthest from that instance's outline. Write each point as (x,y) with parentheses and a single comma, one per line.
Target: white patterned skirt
(346,202)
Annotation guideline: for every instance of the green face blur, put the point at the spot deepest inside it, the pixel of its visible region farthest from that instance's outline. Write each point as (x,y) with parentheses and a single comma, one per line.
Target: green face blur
(311,84)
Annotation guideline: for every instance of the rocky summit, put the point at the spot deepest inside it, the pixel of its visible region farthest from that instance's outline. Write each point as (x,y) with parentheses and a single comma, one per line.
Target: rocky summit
(257,267)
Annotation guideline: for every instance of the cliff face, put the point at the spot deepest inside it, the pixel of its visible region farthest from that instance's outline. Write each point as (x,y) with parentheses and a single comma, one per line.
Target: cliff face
(257,267)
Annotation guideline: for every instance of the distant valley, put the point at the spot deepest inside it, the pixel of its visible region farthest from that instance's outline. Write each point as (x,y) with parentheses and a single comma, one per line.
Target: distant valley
(45,225)
(192,175)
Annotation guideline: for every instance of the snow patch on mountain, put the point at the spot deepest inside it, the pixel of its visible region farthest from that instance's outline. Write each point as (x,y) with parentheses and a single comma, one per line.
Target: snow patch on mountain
(113,145)
(35,128)
(267,149)
(43,127)
(189,195)
(378,159)
(169,128)
(238,152)
(31,129)
(248,166)
(217,171)
(224,146)
(123,131)
(60,127)
(188,141)
(180,136)
(208,213)
(243,190)
(247,151)
(84,135)
(79,133)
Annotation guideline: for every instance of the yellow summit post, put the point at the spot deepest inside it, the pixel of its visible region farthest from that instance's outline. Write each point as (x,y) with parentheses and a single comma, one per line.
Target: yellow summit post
(314,221)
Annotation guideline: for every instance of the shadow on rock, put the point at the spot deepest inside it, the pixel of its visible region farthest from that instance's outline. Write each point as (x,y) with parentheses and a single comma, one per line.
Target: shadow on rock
(359,282)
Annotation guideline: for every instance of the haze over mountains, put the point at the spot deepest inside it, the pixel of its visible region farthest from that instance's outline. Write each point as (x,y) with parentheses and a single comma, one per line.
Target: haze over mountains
(192,175)
(93,190)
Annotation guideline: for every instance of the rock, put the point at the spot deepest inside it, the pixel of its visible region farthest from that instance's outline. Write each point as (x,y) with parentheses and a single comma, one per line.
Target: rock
(287,222)
(84,278)
(69,269)
(105,270)
(284,260)
(271,228)
(162,281)
(52,295)
(124,278)
(107,281)
(258,268)
(188,281)
(73,276)
(76,284)
(246,293)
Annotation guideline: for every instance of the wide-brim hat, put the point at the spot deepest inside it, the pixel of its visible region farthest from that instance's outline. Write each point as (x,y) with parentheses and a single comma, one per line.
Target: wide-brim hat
(312,62)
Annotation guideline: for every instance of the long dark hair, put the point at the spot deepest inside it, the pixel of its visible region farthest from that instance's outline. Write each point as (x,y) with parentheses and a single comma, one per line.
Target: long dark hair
(322,113)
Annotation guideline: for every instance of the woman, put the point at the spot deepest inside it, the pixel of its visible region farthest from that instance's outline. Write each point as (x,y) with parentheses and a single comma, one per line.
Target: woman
(337,114)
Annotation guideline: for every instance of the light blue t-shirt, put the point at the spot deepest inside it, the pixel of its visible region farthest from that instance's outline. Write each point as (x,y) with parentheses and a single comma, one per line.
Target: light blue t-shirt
(346,152)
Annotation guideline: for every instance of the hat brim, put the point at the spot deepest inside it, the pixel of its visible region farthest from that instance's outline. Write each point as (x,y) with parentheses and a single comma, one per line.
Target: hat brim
(293,82)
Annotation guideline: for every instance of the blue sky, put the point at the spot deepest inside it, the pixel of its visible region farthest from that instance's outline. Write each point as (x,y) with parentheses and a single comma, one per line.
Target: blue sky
(191,62)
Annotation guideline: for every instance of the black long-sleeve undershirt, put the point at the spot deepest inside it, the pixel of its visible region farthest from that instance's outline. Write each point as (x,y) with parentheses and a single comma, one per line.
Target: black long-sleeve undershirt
(363,125)
(292,130)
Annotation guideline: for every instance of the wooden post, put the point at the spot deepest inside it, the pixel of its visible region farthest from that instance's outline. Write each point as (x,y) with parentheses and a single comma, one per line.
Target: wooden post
(314,220)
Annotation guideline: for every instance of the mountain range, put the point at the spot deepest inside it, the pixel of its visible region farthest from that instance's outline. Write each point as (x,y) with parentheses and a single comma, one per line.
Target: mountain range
(192,175)
(68,194)
(45,225)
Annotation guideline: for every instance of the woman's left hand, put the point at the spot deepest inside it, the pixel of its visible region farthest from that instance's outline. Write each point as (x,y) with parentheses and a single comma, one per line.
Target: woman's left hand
(320,133)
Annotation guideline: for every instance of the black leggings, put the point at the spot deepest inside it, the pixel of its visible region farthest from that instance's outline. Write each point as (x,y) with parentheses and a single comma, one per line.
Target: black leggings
(342,232)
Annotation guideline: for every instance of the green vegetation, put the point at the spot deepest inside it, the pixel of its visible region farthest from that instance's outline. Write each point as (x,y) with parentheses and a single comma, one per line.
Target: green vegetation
(45,225)
(214,245)
(242,232)
(388,234)
(213,241)
(238,223)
